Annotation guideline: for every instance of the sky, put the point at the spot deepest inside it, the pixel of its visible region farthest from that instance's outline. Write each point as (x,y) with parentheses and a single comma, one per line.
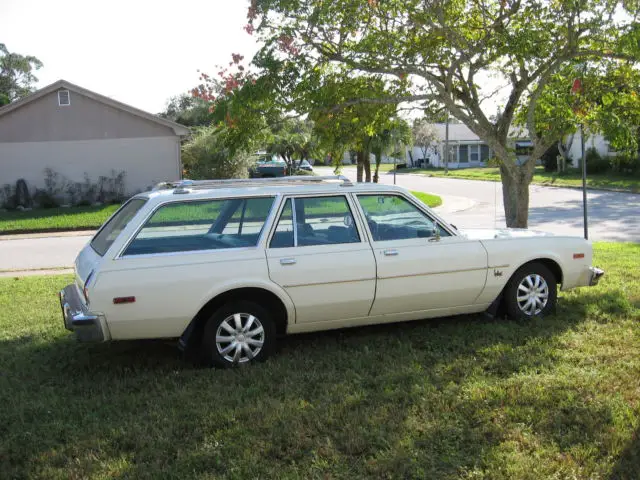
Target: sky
(139,52)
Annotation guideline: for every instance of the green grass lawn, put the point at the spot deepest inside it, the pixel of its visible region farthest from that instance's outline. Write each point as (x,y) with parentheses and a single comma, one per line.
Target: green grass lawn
(571,179)
(467,397)
(428,199)
(55,219)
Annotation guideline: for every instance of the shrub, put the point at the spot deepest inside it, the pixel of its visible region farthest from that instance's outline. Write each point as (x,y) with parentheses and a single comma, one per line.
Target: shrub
(8,196)
(596,163)
(206,155)
(627,163)
(44,199)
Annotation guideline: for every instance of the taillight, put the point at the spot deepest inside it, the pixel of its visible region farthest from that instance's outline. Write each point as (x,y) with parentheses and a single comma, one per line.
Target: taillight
(85,291)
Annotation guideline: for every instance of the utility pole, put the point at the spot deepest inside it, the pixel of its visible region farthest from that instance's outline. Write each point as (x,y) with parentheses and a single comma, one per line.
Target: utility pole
(446,145)
(584,184)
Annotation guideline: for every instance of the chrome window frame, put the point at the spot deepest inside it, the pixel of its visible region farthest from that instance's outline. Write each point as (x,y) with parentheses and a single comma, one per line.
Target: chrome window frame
(120,255)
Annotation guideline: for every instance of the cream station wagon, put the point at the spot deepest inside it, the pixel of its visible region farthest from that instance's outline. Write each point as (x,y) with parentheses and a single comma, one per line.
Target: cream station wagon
(226,266)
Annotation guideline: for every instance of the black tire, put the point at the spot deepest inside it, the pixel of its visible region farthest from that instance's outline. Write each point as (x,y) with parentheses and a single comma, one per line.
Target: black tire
(514,307)
(213,351)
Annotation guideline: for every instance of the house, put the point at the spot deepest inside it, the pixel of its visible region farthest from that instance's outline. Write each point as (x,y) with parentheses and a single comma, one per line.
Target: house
(74,131)
(467,150)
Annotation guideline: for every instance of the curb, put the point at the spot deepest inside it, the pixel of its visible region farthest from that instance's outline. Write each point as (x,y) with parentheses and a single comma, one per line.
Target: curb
(532,184)
(30,273)
(64,233)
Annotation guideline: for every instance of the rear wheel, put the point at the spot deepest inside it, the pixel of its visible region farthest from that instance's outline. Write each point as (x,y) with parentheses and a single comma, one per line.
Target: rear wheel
(238,333)
(531,292)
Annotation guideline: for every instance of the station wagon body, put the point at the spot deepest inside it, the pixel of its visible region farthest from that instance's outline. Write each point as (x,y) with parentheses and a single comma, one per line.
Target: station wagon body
(225,266)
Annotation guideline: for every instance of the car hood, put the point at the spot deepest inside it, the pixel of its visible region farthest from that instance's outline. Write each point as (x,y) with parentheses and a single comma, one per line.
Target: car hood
(488,233)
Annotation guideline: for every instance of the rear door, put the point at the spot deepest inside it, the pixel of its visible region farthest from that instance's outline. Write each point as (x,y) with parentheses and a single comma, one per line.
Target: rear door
(420,264)
(320,256)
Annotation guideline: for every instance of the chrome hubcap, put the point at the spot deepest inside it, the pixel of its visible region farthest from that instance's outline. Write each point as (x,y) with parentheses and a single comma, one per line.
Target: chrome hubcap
(533,294)
(240,338)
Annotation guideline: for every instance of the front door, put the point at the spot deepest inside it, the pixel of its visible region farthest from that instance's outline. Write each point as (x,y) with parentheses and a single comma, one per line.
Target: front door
(319,256)
(421,266)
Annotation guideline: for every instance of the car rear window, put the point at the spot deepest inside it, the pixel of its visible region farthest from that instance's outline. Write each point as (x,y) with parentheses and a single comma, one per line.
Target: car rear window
(202,225)
(114,226)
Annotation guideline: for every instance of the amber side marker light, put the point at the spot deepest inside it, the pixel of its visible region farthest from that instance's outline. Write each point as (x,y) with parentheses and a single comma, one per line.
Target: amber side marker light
(578,255)
(120,300)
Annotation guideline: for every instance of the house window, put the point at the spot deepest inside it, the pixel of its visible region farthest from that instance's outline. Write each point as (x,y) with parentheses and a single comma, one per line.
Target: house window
(484,153)
(64,98)
(474,156)
(463,153)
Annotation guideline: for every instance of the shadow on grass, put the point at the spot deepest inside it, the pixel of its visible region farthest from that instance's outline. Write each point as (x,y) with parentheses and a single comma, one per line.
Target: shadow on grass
(388,400)
(628,465)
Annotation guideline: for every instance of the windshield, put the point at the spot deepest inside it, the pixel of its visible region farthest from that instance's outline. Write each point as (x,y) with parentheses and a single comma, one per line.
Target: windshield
(114,226)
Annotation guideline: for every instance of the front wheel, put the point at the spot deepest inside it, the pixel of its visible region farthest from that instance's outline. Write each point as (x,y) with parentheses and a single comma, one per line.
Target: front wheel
(531,292)
(238,333)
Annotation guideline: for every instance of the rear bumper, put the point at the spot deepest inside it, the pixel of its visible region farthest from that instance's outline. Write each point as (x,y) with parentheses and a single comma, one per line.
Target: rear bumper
(595,274)
(87,326)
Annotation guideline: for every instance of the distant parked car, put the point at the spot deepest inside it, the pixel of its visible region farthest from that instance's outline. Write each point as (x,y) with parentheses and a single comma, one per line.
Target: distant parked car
(267,169)
(304,165)
(227,265)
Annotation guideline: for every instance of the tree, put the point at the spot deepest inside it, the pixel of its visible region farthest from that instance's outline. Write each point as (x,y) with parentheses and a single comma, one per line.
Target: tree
(207,155)
(440,53)
(188,110)
(16,75)
(424,135)
(292,139)
(391,140)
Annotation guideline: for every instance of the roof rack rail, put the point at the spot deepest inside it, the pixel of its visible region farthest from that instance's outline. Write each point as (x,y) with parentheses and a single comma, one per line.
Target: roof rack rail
(183,186)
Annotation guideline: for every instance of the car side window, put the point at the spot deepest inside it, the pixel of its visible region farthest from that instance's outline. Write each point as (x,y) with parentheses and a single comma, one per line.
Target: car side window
(318,221)
(202,225)
(392,217)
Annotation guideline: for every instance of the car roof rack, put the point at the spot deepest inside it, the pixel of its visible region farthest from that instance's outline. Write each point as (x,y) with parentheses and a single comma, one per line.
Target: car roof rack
(185,186)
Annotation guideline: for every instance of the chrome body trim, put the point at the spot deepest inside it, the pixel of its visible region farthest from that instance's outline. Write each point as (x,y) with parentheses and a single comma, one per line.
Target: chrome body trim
(442,272)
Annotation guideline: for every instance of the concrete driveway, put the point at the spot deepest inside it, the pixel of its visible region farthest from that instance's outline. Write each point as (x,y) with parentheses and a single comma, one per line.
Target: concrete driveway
(467,203)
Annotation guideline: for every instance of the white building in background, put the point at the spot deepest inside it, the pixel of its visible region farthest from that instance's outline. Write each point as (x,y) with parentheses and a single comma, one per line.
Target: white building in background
(467,150)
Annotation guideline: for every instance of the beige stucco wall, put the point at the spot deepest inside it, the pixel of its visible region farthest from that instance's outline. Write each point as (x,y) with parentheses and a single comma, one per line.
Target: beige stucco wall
(146,160)
(42,120)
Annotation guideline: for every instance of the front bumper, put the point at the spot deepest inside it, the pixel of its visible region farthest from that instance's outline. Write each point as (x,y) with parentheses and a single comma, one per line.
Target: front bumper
(87,326)
(595,274)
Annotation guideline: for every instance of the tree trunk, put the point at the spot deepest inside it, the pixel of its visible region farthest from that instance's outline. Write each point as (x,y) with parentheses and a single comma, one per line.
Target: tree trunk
(376,175)
(367,167)
(360,167)
(515,194)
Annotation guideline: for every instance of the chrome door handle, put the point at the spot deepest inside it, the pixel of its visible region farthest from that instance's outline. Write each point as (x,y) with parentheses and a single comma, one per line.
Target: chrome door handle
(434,239)
(391,252)
(287,261)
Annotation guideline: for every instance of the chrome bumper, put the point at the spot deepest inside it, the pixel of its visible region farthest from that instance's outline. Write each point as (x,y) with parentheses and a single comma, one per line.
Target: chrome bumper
(595,275)
(87,326)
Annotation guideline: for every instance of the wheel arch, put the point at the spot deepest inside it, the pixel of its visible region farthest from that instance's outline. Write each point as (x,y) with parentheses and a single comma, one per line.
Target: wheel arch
(281,312)
(497,307)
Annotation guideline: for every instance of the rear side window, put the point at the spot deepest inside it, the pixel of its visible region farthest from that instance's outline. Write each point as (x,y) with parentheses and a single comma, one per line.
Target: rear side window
(202,225)
(114,226)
